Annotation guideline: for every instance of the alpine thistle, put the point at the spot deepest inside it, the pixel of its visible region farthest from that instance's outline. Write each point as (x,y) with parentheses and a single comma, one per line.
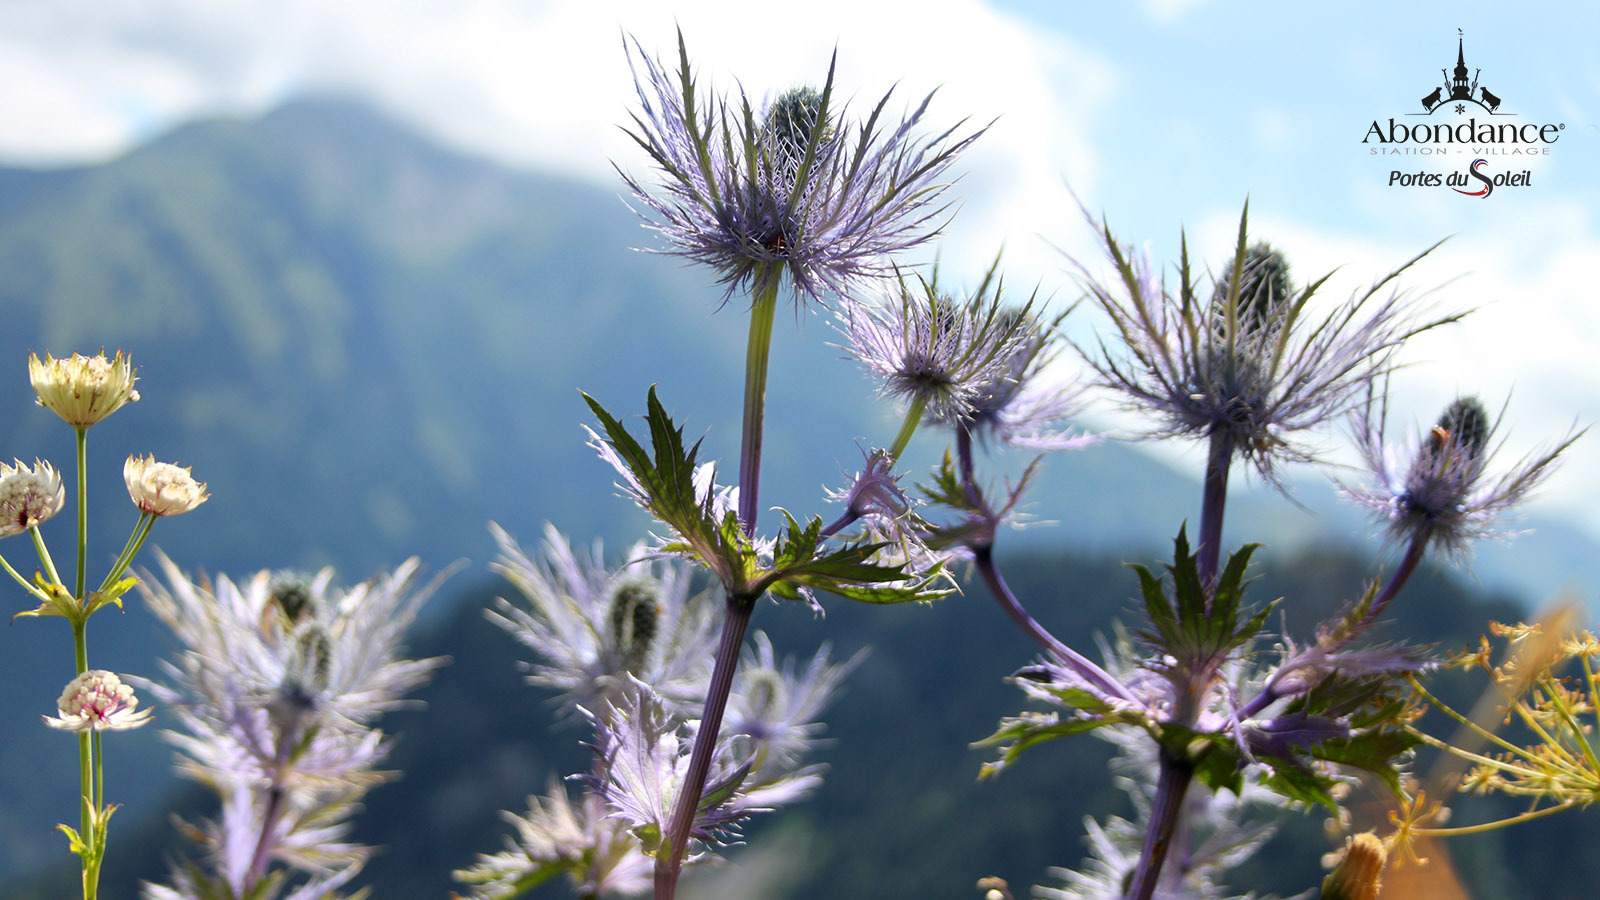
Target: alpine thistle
(800,190)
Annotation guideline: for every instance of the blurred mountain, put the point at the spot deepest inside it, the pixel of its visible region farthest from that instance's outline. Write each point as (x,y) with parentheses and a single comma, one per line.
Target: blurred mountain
(370,346)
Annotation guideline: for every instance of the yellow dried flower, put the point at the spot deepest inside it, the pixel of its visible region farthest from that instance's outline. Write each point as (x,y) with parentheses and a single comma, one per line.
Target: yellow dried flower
(1358,874)
(162,489)
(83,389)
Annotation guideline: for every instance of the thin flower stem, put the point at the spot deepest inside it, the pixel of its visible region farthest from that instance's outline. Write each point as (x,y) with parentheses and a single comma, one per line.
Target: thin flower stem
(983,559)
(27,585)
(734,623)
(83,510)
(1212,504)
(1491,826)
(1171,788)
(907,428)
(141,530)
(86,793)
(1500,764)
(1465,722)
(269,817)
(1408,564)
(44,555)
(763,310)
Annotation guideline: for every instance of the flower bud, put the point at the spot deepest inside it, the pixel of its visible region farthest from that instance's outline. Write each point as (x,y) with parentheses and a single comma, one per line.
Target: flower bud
(1263,290)
(790,121)
(97,700)
(28,496)
(634,612)
(162,489)
(1463,428)
(1359,873)
(83,389)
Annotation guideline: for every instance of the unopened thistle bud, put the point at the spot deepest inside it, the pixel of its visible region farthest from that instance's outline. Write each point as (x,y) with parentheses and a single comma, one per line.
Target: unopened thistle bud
(28,496)
(1463,428)
(1263,290)
(97,700)
(1359,873)
(83,389)
(791,121)
(162,489)
(634,613)
(291,594)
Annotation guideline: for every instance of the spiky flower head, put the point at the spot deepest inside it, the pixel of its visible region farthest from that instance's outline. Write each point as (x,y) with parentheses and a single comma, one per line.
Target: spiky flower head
(28,496)
(1255,374)
(97,700)
(1437,488)
(800,190)
(645,751)
(933,351)
(595,628)
(162,489)
(1027,406)
(83,389)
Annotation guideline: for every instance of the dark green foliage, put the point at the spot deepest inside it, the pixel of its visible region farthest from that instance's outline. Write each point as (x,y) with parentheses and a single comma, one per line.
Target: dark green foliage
(1199,628)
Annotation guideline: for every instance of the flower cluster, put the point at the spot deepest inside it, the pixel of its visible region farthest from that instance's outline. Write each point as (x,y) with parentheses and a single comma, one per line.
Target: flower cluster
(162,489)
(627,648)
(28,496)
(276,693)
(97,700)
(82,390)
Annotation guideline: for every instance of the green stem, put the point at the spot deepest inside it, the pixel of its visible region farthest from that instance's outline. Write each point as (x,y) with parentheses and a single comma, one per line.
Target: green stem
(86,792)
(29,586)
(907,429)
(83,509)
(1491,826)
(763,309)
(141,530)
(44,555)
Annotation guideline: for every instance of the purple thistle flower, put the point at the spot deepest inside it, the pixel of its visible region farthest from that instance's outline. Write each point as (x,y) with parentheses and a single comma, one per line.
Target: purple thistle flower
(645,753)
(798,190)
(1437,487)
(1024,406)
(934,352)
(1253,373)
(773,709)
(276,690)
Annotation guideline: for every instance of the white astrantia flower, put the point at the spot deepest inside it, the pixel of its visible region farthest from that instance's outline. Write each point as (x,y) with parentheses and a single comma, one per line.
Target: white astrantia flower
(83,389)
(28,496)
(97,700)
(162,489)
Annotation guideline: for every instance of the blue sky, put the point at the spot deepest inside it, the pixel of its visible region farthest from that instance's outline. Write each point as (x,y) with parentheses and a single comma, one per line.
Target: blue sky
(1163,114)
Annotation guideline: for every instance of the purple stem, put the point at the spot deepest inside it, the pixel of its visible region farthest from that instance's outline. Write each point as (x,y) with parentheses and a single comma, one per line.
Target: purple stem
(983,558)
(734,622)
(1212,504)
(274,810)
(1171,789)
(1391,589)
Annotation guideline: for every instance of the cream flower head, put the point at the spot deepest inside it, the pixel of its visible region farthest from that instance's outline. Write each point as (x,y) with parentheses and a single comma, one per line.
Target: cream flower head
(162,489)
(97,700)
(28,496)
(83,389)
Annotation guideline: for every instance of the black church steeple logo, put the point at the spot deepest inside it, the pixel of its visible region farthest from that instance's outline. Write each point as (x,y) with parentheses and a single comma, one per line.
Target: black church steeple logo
(1458,90)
